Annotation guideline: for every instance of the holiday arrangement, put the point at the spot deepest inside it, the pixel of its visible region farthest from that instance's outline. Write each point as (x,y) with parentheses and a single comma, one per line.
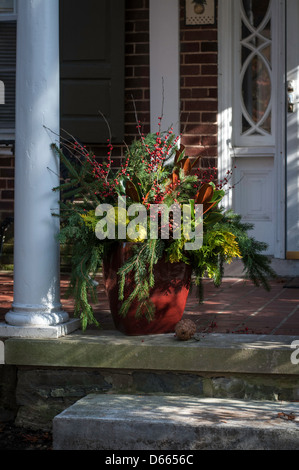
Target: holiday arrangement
(154,172)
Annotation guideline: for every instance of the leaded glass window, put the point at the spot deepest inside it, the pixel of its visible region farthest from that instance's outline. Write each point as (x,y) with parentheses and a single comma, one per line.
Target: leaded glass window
(256,70)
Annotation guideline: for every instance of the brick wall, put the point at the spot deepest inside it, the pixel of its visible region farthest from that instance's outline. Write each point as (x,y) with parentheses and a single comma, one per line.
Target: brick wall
(6,182)
(199,90)
(137,70)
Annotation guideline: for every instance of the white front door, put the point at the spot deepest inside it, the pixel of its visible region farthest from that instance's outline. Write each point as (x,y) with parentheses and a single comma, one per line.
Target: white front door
(252,114)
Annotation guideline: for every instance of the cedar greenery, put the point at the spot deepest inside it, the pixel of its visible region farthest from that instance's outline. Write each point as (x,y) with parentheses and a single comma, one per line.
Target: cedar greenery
(154,171)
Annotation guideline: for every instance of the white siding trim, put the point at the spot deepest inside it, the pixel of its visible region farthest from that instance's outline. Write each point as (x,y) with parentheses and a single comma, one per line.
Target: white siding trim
(165,64)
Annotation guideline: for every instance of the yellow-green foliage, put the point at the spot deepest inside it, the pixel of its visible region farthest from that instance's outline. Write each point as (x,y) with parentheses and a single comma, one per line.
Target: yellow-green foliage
(221,243)
(90,220)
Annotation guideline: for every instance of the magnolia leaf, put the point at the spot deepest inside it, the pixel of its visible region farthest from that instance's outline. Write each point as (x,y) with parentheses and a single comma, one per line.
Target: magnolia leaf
(187,166)
(179,154)
(122,180)
(204,194)
(132,192)
(175,177)
(207,206)
(218,195)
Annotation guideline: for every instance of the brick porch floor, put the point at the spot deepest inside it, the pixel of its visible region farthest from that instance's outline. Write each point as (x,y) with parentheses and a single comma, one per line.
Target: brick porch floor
(235,307)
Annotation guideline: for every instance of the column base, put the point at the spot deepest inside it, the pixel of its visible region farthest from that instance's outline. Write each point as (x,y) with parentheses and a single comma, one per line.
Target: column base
(36,315)
(37,321)
(39,331)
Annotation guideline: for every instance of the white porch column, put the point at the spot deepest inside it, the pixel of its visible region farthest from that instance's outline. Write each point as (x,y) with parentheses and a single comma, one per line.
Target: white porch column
(165,63)
(36,252)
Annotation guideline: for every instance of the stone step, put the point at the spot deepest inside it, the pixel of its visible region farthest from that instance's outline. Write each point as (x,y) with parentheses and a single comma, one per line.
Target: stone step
(159,422)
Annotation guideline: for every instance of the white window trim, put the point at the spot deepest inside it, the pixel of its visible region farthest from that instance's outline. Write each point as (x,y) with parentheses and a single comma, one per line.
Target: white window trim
(240,139)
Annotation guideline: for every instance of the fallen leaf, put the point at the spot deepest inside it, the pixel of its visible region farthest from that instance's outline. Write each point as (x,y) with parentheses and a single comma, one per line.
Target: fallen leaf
(286,416)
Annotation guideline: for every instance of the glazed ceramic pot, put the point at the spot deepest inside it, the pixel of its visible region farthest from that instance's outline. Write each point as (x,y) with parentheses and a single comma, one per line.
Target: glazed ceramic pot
(169,295)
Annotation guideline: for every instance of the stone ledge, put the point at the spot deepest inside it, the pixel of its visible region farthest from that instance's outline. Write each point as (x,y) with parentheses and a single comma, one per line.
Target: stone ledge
(62,329)
(254,354)
(121,422)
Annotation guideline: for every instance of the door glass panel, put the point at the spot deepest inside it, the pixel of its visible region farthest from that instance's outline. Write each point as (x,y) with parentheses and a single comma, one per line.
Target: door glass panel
(256,89)
(255,11)
(266,125)
(256,70)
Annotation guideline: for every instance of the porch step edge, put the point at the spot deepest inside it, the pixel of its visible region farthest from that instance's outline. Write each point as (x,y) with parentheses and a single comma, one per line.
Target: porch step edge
(233,353)
(155,422)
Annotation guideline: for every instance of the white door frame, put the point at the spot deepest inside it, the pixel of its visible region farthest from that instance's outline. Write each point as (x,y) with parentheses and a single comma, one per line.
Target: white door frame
(226,148)
(292,170)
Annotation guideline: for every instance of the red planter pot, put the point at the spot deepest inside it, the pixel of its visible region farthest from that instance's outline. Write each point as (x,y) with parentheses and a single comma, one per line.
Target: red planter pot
(172,283)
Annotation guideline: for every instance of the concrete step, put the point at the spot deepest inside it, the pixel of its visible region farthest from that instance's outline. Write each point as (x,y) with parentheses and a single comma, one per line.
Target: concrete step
(159,422)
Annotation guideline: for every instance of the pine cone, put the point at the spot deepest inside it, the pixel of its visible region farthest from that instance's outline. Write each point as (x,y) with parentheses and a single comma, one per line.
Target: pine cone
(185,329)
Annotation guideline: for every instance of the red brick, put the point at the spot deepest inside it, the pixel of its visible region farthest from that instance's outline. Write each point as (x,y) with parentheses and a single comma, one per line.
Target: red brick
(141,26)
(209,140)
(209,117)
(209,69)
(191,141)
(191,151)
(209,46)
(142,71)
(201,105)
(6,172)
(186,93)
(191,117)
(132,83)
(209,162)
(142,48)
(129,71)
(201,81)
(137,37)
(134,4)
(7,205)
(213,93)
(130,26)
(135,15)
(190,47)
(6,161)
(200,58)
(138,95)
(137,59)
(201,129)
(199,93)
(209,151)
(7,194)
(199,35)
(189,70)
(129,49)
